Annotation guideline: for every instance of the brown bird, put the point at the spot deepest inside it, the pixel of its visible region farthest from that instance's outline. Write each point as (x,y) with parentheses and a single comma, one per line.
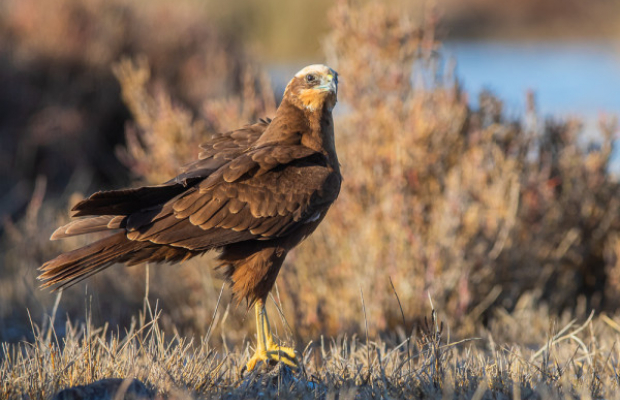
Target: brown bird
(253,194)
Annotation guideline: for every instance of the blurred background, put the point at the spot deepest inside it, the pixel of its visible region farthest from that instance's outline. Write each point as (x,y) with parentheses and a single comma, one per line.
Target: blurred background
(476,139)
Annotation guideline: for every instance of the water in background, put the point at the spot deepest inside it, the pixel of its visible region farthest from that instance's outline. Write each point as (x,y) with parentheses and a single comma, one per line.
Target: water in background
(570,78)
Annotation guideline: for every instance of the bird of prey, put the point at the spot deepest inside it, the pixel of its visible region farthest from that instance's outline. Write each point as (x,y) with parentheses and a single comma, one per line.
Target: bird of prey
(253,195)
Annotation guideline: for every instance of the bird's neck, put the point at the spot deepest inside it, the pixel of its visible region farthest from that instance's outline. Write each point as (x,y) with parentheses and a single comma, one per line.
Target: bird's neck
(313,129)
(320,136)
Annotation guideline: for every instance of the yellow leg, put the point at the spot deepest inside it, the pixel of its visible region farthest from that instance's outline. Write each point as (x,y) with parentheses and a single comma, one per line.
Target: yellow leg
(266,349)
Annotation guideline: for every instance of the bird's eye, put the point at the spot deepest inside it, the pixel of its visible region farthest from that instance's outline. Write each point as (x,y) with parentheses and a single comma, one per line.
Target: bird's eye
(310,78)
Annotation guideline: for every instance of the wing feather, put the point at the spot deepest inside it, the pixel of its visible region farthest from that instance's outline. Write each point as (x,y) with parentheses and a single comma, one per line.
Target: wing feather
(246,220)
(216,219)
(265,226)
(205,213)
(127,201)
(192,203)
(279,227)
(239,167)
(235,205)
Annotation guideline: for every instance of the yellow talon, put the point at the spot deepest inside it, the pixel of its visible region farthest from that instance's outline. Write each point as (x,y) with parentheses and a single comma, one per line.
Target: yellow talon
(266,349)
(286,355)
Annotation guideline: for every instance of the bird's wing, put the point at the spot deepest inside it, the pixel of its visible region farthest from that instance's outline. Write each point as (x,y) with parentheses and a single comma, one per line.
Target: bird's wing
(222,148)
(217,152)
(263,194)
(224,145)
(232,193)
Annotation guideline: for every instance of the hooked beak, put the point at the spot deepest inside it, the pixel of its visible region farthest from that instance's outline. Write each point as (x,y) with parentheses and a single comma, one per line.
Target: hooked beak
(330,84)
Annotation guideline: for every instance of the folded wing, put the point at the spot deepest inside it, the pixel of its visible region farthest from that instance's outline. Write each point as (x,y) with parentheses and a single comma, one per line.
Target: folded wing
(226,197)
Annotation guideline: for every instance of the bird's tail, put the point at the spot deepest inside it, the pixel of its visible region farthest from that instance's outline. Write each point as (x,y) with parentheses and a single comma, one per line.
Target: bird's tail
(70,268)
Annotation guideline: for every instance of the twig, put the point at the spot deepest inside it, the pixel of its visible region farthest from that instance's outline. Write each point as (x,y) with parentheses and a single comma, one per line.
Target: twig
(366,323)
(280,308)
(217,305)
(402,314)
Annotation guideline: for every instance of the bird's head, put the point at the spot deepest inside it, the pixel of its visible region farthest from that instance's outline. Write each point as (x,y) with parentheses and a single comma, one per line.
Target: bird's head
(312,88)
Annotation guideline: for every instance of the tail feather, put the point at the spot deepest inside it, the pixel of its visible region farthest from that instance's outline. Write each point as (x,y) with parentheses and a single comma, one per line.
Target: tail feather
(69,268)
(89,225)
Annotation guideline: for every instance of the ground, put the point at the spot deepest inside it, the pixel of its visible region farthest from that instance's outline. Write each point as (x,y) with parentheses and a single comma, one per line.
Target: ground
(577,359)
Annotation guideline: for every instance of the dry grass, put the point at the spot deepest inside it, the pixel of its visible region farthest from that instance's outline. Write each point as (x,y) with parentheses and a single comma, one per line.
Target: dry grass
(574,360)
(512,226)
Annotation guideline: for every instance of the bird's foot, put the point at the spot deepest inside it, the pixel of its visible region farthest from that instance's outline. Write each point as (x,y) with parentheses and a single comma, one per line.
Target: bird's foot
(272,355)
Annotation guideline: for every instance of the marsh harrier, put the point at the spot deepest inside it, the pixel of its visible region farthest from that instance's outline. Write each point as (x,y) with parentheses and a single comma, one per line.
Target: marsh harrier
(253,195)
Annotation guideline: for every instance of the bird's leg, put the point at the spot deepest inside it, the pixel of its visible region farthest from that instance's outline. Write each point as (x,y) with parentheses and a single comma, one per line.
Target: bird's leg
(266,348)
